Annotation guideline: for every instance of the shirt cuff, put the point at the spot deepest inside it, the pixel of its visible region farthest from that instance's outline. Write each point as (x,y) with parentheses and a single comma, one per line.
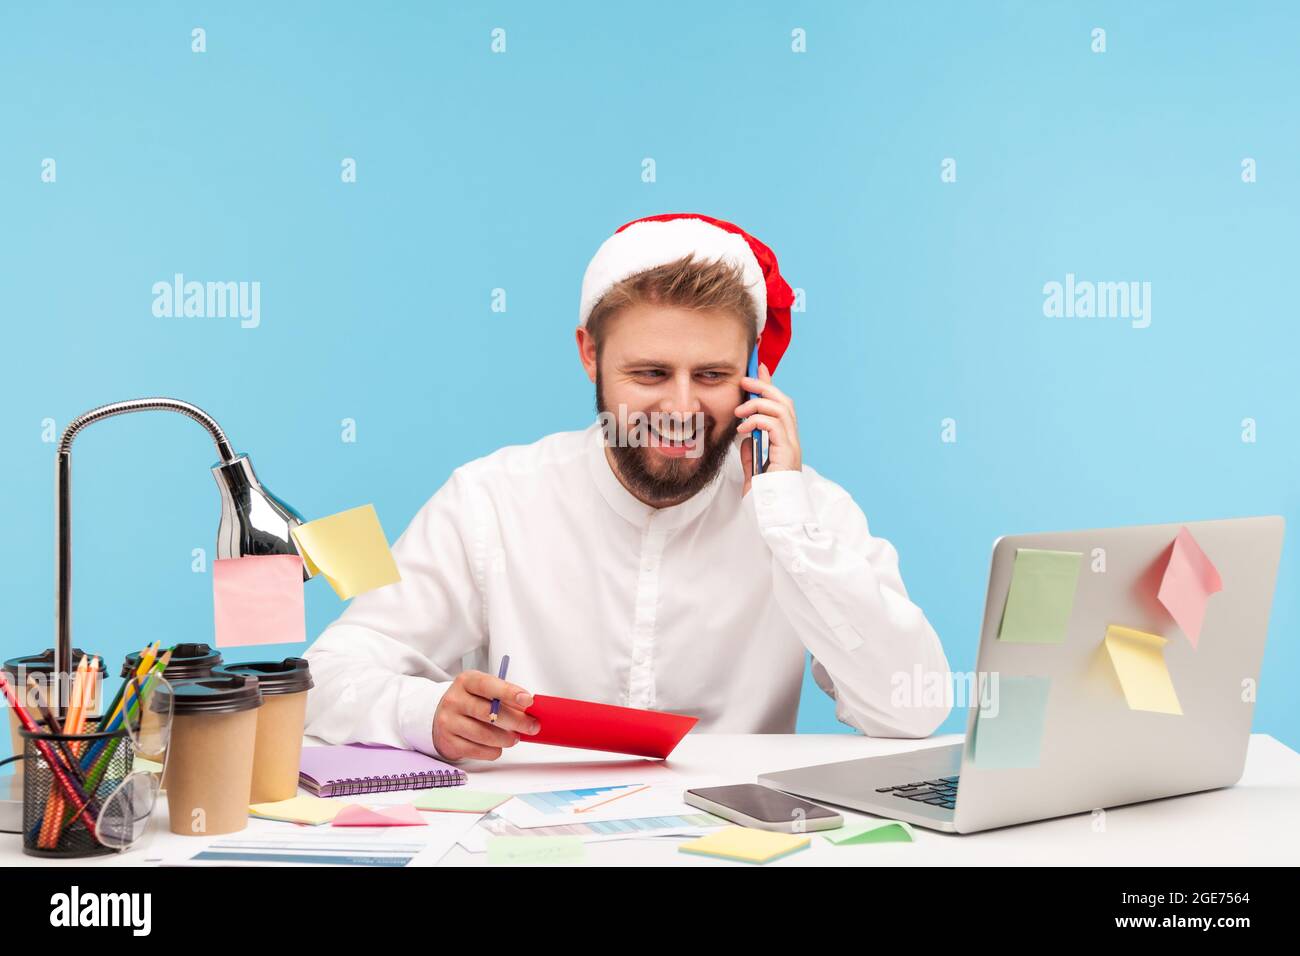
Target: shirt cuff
(418,699)
(781,499)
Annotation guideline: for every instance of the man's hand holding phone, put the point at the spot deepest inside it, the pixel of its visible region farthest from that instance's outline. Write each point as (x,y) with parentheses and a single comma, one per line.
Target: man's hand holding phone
(462,726)
(772,412)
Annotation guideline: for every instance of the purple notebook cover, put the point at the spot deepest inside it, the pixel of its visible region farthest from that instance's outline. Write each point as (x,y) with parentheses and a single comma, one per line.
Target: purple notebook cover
(365,768)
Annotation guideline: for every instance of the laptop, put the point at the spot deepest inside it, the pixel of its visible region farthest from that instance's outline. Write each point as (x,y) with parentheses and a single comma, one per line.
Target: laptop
(1094,751)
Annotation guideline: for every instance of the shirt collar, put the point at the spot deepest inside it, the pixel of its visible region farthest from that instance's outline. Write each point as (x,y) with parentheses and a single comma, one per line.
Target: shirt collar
(637,511)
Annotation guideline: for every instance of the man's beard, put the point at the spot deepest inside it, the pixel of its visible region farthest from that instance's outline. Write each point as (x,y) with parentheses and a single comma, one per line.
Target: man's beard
(675,480)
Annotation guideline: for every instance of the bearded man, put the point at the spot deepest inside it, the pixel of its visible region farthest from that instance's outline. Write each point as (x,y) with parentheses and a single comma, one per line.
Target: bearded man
(641,561)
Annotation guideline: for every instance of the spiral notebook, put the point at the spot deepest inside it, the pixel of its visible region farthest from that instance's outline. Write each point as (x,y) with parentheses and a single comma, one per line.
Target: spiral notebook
(337,771)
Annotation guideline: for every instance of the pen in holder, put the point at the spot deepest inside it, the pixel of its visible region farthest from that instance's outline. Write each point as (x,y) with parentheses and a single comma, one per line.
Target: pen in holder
(53,825)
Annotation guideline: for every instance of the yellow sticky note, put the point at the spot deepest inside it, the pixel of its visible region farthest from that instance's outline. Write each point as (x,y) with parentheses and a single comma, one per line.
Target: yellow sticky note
(350,549)
(1139,661)
(300,809)
(747,844)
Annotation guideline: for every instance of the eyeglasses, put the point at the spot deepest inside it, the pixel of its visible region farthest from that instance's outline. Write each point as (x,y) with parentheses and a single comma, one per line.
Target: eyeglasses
(147,718)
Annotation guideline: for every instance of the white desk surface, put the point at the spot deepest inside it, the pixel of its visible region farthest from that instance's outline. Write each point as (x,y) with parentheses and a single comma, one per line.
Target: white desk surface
(1253,823)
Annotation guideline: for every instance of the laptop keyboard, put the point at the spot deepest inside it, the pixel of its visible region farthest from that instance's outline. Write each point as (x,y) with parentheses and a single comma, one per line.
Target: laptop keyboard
(939,793)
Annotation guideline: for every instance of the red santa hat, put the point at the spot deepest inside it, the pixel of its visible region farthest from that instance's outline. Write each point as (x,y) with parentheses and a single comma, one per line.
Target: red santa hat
(658,240)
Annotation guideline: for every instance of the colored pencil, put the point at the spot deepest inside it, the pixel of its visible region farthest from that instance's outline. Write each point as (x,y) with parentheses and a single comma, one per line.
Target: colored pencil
(83,691)
(37,696)
(146,661)
(101,764)
(52,823)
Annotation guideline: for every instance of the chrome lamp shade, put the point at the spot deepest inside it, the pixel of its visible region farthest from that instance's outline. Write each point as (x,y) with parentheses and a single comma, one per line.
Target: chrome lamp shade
(253,520)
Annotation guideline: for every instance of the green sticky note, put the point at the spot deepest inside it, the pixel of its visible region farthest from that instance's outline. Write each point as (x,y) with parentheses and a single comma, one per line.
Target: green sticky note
(458,800)
(877,831)
(535,851)
(1041,596)
(1008,730)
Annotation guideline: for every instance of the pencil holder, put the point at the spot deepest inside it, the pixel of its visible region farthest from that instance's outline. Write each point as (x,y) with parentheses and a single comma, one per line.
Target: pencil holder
(48,828)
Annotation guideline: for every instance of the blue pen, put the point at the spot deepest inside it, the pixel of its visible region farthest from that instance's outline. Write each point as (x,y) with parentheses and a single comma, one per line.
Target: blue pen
(496,701)
(756,436)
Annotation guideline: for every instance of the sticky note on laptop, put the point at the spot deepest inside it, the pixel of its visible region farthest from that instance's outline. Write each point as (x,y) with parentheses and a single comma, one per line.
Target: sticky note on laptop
(258,600)
(350,549)
(1040,597)
(747,844)
(1189,580)
(1139,661)
(1008,732)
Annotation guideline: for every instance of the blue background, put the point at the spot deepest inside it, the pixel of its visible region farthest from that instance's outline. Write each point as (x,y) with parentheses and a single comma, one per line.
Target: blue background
(478,171)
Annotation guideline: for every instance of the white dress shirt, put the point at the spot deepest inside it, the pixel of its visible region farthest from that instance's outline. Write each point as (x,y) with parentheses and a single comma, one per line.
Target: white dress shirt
(704,608)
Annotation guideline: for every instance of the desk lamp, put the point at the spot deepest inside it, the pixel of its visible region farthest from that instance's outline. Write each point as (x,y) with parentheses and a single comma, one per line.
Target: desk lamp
(253,521)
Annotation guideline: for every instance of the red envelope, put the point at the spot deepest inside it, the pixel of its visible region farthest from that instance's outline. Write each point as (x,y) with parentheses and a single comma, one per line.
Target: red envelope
(592,726)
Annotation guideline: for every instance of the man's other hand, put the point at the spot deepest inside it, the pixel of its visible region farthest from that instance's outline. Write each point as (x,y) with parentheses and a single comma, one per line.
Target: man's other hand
(462,726)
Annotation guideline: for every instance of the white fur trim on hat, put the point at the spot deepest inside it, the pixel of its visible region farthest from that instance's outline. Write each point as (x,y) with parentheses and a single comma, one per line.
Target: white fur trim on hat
(644,245)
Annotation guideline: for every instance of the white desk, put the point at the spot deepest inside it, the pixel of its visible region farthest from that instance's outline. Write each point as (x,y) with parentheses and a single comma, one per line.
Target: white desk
(1253,823)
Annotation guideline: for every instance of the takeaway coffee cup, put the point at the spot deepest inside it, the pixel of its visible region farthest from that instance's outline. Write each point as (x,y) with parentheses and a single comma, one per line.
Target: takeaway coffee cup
(187,661)
(41,666)
(280,722)
(210,753)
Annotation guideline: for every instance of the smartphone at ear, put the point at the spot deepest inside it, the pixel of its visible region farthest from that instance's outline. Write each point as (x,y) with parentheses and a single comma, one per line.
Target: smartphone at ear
(756,436)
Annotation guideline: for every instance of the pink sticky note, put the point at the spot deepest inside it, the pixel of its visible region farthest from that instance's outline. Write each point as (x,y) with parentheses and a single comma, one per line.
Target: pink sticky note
(258,600)
(358,816)
(1189,580)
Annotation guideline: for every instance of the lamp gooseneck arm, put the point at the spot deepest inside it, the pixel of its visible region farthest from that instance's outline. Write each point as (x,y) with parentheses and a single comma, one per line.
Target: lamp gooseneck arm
(148,405)
(63,519)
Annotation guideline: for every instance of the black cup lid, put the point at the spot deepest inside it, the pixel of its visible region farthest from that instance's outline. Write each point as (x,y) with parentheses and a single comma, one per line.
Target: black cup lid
(289,676)
(43,663)
(187,660)
(214,694)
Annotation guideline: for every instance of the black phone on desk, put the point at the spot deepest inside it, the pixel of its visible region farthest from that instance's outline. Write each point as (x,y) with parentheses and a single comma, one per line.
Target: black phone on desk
(752,805)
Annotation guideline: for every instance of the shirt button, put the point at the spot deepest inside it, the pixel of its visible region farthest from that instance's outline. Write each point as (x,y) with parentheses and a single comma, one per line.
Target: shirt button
(796,566)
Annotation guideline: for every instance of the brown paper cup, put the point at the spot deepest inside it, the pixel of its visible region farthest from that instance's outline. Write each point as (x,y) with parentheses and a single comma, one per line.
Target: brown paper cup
(210,772)
(280,722)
